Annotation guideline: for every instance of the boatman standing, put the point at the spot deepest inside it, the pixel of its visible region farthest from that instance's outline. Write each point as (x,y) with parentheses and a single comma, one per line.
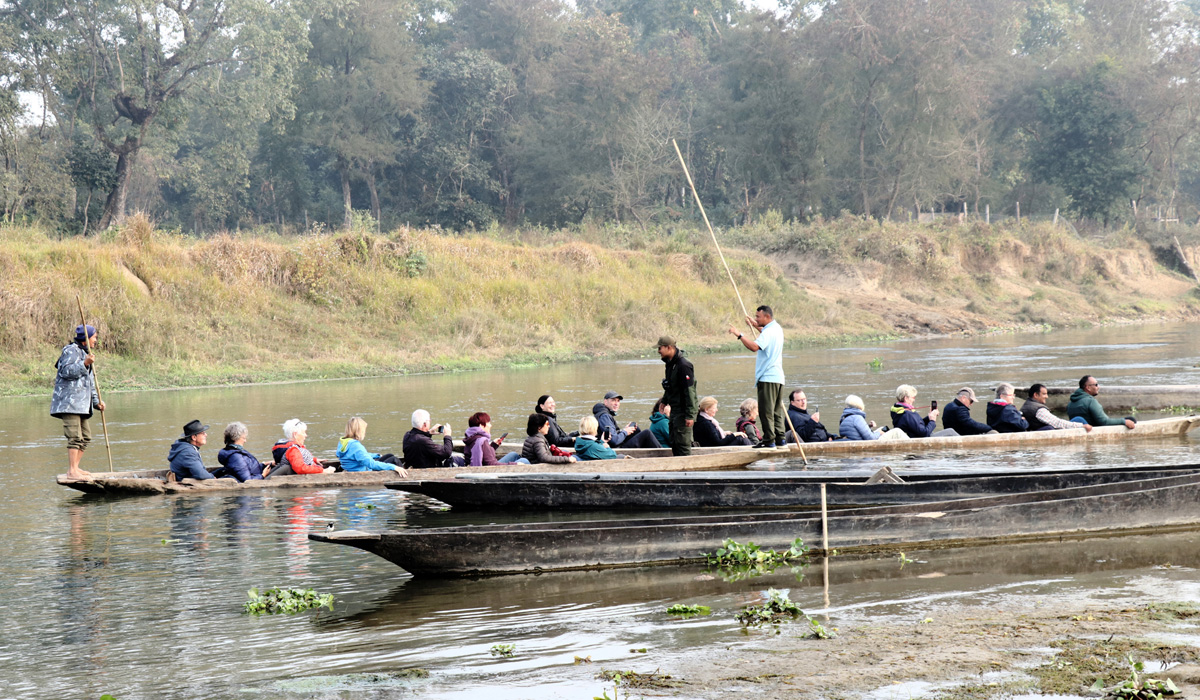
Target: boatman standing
(768,374)
(75,397)
(679,388)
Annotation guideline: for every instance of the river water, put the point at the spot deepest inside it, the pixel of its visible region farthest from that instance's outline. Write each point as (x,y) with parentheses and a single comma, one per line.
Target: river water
(141,597)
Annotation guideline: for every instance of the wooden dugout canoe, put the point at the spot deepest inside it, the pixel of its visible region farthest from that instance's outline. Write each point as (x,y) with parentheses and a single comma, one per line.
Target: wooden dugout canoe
(154,481)
(1124,398)
(1142,505)
(1157,428)
(749,491)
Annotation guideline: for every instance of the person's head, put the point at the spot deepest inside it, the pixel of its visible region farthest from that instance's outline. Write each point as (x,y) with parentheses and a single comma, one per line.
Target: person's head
(588,425)
(479,420)
(235,433)
(537,423)
(420,419)
(1089,384)
(905,393)
(546,403)
(966,396)
(86,336)
(749,408)
(661,406)
(1005,392)
(356,429)
(798,399)
(295,430)
(763,315)
(1039,392)
(613,401)
(195,432)
(666,347)
(708,405)
(855,401)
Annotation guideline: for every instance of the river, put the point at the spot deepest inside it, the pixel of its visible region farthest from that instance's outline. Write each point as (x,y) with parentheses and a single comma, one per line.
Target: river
(141,597)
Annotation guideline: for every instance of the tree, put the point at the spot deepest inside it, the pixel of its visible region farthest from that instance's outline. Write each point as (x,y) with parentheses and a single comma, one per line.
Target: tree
(126,69)
(1084,142)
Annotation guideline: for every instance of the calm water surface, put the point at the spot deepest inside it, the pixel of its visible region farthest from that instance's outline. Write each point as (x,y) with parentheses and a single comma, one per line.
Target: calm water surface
(141,597)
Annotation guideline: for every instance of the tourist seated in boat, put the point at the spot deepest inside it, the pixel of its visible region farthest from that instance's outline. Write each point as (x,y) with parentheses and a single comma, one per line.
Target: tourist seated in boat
(184,455)
(557,436)
(1034,411)
(1002,414)
(589,446)
(808,427)
(354,456)
(236,462)
(479,449)
(660,422)
(291,456)
(747,422)
(605,413)
(709,432)
(421,451)
(854,424)
(536,449)
(958,415)
(1085,408)
(906,418)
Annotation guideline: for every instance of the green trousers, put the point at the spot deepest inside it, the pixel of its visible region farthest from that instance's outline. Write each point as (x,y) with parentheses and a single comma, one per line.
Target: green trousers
(681,435)
(770,411)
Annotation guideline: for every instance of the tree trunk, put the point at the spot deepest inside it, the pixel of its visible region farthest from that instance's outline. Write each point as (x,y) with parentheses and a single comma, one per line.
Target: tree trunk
(86,206)
(114,206)
(344,171)
(375,210)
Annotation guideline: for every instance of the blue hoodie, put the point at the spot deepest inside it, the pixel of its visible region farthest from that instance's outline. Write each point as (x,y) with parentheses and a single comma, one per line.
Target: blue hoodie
(355,458)
(184,458)
(854,426)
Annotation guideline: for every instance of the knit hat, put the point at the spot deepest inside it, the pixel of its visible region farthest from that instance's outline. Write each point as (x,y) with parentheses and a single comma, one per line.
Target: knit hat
(80,337)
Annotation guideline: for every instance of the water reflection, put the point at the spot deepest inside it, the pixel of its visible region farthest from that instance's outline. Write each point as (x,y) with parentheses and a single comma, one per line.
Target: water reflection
(105,595)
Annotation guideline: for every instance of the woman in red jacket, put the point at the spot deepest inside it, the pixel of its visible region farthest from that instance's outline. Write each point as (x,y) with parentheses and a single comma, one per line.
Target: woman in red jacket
(291,456)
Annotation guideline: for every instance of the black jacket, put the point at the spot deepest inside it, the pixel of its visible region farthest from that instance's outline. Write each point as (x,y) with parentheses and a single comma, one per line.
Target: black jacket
(421,452)
(808,429)
(557,436)
(1005,418)
(957,417)
(679,386)
(707,434)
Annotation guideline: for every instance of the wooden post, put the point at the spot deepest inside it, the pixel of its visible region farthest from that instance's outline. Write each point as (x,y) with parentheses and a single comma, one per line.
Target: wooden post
(1018,212)
(1056,216)
(824,523)
(987,214)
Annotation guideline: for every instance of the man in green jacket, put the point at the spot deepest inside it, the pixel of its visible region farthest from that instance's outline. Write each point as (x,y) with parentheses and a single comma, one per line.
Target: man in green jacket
(1084,405)
(680,387)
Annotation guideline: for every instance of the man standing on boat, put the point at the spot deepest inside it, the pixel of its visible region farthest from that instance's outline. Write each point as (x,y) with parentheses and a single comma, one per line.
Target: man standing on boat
(1085,407)
(75,397)
(768,373)
(679,386)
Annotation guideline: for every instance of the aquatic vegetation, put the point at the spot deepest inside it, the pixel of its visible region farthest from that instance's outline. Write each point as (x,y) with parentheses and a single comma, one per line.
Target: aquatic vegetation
(1138,687)
(285,601)
(641,650)
(688,610)
(778,608)
(904,560)
(875,365)
(634,679)
(735,561)
(818,631)
(1080,663)
(505,650)
(1171,611)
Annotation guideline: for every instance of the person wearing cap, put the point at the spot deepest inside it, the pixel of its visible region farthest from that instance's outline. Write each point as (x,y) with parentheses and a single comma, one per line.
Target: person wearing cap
(184,456)
(957,416)
(768,373)
(679,387)
(629,436)
(1039,416)
(75,397)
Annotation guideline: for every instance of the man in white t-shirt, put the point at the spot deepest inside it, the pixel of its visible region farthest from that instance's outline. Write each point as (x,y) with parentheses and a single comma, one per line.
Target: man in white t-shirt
(768,373)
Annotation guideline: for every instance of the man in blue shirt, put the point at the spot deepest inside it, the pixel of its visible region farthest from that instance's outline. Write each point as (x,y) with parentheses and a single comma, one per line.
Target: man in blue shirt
(768,373)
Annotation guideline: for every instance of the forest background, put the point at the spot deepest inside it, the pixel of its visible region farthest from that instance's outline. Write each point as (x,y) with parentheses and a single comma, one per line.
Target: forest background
(340,167)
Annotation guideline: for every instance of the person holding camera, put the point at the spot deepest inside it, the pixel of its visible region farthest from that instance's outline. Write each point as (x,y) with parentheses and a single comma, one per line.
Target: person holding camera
(629,436)
(421,451)
(679,387)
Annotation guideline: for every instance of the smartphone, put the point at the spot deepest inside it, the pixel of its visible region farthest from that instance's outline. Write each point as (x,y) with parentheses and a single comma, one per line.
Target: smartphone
(503,436)
(933,405)
(439,429)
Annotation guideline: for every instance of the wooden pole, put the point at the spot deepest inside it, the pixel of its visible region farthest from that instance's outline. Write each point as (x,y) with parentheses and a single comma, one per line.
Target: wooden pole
(824,523)
(96,382)
(695,195)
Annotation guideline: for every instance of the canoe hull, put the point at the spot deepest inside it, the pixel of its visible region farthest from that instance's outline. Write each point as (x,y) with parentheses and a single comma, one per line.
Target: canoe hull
(1168,502)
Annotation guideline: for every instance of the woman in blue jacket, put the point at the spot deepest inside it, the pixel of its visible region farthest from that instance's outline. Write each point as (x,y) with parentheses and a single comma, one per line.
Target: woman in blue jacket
(235,461)
(854,425)
(354,456)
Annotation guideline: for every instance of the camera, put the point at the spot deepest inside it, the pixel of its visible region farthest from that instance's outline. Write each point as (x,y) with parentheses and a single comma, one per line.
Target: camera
(666,385)
(440,428)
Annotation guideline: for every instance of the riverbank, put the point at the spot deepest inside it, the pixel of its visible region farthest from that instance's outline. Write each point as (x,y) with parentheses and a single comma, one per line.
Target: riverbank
(181,312)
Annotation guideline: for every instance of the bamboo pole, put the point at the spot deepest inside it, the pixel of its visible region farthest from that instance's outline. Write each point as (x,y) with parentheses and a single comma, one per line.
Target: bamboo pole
(711,232)
(96,382)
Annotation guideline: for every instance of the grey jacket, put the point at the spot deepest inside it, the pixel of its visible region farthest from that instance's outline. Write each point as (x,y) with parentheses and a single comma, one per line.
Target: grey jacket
(74,385)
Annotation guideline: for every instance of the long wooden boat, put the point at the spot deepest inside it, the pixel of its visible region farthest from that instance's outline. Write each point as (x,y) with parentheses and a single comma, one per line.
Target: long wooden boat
(1157,428)
(1124,398)
(745,491)
(154,481)
(1159,503)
